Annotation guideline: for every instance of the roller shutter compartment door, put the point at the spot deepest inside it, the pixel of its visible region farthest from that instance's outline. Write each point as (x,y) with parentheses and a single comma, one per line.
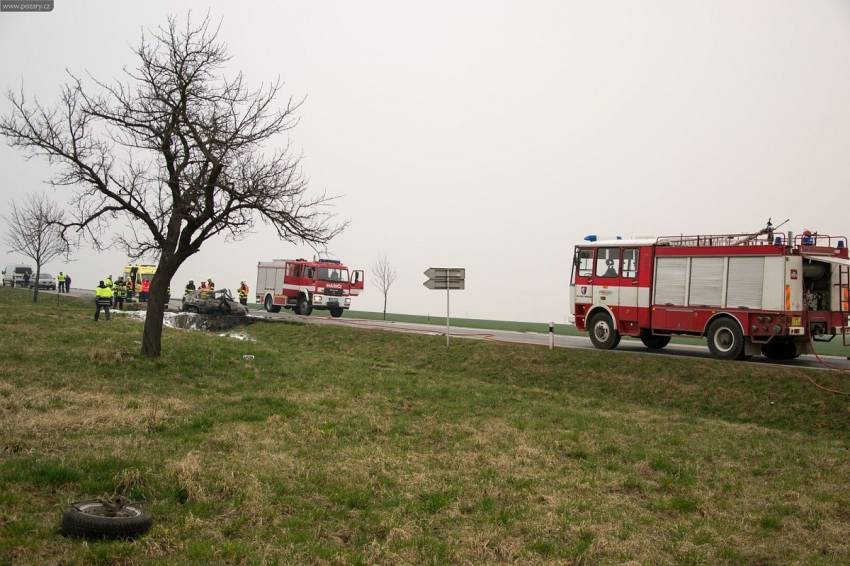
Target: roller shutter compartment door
(670,282)
(746,282)
(706,281)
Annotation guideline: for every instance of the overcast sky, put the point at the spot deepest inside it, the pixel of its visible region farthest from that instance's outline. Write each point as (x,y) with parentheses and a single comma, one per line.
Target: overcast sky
(495,135)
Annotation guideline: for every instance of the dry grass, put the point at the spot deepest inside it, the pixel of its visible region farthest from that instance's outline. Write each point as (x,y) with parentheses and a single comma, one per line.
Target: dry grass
(365,447)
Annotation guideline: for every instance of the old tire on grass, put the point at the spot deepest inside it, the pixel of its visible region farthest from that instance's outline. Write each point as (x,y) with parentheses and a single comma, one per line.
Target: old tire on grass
(654,341)
(89,519)
(726,340)
(603,334)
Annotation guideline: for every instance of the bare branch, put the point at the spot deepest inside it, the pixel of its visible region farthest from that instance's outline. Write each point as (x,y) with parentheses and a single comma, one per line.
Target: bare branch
(172,153)
(385,275)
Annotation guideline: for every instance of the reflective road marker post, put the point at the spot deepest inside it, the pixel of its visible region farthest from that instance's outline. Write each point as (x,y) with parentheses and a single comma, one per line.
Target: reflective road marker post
(448,278)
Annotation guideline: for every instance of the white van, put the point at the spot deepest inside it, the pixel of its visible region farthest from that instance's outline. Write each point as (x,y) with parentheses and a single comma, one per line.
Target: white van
(13,275)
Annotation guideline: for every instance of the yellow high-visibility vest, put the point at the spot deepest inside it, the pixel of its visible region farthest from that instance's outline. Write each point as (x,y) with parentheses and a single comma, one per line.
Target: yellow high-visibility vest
(103,293)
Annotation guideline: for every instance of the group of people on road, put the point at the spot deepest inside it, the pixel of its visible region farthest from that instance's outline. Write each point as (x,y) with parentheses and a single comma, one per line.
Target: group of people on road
(207,288)
(112,294)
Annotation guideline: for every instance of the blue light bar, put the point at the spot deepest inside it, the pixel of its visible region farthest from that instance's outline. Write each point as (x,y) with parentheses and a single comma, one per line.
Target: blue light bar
(590,238)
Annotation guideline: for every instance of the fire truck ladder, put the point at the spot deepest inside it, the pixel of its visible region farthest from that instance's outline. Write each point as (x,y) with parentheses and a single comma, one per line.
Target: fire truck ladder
(844,301)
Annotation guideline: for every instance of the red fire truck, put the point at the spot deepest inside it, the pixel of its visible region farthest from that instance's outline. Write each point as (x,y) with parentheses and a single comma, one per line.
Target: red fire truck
(305,285)
(767,292)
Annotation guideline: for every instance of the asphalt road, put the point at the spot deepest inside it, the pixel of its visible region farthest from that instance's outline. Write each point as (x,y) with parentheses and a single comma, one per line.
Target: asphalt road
(632,346)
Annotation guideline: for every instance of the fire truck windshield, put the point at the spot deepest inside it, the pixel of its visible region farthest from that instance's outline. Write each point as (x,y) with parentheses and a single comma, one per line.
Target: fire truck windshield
(333,274)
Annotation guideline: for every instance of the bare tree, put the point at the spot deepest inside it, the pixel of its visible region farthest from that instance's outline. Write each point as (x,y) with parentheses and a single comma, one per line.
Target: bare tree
(34,231)
(385,275)
(171,155)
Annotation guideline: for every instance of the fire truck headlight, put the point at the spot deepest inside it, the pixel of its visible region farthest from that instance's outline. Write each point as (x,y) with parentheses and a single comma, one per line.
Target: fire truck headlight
(317,298)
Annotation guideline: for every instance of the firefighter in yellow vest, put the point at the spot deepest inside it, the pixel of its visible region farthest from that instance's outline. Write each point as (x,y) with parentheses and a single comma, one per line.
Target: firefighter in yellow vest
(102,300)
(61,278)
(243,294)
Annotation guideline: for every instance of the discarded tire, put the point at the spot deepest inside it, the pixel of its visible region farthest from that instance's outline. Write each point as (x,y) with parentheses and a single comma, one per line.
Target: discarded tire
(102,520)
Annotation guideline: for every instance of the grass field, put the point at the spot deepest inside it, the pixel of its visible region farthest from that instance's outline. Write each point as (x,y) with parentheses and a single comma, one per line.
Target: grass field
(349,446)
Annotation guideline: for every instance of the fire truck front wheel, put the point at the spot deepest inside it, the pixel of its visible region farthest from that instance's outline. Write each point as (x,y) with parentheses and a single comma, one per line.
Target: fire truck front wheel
(603,334)
(725,339)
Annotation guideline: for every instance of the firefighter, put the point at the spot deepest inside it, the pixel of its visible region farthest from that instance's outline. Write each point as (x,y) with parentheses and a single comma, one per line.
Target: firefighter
(61,278)
(203,291)
(102,300)
(146,289)
(190,287)
(67,282)
(108,282)
(119,293)
(243,293)
(210,285)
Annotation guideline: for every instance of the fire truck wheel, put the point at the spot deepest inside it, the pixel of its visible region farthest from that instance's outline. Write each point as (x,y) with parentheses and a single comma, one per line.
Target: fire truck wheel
(653,341)
(270,306)
(602,332)
(304,308)
(336,312)
(780,350)
(725,339)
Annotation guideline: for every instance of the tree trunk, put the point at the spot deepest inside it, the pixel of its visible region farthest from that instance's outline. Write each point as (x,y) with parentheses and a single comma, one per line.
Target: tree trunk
(35,285)
(152,336)
(385,306)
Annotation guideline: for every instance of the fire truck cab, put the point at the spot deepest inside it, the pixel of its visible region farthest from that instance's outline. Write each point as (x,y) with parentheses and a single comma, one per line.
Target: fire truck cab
(303,285)
(765,293)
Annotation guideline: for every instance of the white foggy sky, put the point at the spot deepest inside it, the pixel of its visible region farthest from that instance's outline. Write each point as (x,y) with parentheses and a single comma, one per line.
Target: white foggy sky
(495,135)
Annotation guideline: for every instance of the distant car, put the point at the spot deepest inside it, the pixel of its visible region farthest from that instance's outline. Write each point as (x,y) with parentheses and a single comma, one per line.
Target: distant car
(45,281)
(13,275)
(217,302)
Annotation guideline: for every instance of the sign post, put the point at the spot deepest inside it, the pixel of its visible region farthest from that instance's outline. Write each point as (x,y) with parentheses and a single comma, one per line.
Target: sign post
(448,278)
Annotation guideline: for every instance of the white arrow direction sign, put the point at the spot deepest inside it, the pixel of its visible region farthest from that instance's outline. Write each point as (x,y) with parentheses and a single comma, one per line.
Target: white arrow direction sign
(448,278)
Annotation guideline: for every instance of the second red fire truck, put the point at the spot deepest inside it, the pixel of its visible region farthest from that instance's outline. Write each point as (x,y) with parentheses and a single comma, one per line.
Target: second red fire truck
(765,293)
(303,285)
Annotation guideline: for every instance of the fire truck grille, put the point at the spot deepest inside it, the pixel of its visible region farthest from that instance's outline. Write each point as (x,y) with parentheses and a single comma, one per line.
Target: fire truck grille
(333,292)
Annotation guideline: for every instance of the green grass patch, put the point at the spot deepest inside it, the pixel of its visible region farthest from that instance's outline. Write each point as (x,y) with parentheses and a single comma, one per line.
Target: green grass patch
(339,445)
